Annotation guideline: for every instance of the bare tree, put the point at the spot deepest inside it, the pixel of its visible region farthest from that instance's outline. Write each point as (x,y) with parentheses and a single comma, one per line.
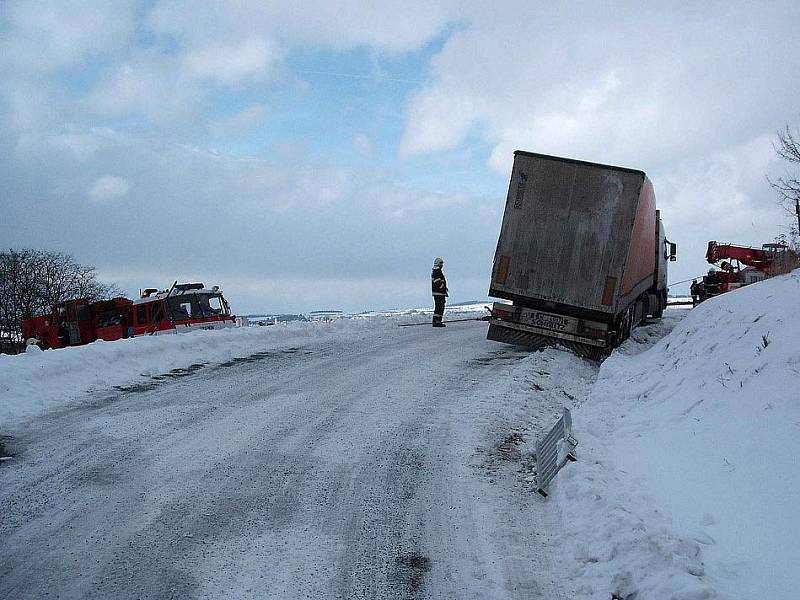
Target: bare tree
(32,281)
(62,278)
(788,187)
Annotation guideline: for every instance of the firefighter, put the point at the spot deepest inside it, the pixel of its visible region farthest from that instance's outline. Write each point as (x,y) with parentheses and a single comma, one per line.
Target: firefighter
(694,290)
(712,283)
(63,335)
(439,290)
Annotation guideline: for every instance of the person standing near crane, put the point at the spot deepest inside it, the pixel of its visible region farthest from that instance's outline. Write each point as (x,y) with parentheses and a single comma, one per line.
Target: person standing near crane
(694,290)
(439,290)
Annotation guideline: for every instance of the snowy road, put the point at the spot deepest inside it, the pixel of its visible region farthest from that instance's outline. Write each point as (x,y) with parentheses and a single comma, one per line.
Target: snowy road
(391,467)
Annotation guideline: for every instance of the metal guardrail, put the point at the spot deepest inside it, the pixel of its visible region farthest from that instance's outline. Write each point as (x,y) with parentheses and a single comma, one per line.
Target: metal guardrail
(553,451)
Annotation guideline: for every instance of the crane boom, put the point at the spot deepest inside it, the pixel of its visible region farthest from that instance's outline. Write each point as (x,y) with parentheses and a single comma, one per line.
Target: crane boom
(759,258)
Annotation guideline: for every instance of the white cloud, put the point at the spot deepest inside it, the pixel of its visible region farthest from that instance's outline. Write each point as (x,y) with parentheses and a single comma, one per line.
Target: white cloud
(232,63)
(81,145)
(242,121)
(29,106)
(438,120)
(43,36)
(363,144)
(723,197)
(151,86)
(388,26)
(160,63)
(608,84)
(109,188)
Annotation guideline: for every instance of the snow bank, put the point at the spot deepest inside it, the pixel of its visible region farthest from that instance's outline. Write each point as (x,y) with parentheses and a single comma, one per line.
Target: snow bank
(687,482)
(31,383)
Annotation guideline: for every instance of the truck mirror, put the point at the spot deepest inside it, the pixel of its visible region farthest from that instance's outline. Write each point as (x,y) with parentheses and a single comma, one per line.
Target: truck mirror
(673,250)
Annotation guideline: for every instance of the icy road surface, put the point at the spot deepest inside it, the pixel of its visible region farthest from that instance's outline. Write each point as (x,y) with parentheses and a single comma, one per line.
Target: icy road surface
(396,466)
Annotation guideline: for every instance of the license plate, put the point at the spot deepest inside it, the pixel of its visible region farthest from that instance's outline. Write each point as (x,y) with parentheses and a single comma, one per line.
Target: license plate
(554,322)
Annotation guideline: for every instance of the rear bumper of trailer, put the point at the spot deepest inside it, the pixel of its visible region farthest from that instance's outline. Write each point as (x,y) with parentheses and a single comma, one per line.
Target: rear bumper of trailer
(539,332)
(508,333)
(537,329)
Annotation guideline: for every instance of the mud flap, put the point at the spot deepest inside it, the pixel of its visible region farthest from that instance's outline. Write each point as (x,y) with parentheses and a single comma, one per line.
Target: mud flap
(526,339)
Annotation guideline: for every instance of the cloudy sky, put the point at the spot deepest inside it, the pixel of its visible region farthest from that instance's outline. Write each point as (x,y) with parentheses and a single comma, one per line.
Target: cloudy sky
(320,154)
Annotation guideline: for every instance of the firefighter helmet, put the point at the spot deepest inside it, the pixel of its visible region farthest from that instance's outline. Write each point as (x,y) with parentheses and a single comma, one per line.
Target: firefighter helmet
(438,263)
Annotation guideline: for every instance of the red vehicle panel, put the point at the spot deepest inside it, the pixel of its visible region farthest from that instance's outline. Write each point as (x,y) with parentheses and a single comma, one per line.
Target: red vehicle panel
(640,262)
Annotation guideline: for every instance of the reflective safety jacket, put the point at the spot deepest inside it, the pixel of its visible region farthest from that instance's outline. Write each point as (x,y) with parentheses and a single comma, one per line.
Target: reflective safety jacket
(438,283)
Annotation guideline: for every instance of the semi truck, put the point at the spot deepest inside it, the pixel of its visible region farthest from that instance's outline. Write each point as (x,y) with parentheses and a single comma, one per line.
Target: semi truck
(582,256)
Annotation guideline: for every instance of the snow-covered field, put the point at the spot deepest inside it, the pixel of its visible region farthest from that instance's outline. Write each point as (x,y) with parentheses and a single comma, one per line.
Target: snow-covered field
(684,487)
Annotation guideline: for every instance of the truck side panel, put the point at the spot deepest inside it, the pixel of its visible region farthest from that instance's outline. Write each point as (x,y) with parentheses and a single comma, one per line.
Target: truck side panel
(662,256)
(565,232)
(640,261)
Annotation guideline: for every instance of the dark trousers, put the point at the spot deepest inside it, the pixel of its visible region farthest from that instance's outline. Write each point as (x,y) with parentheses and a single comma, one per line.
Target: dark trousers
(438,308)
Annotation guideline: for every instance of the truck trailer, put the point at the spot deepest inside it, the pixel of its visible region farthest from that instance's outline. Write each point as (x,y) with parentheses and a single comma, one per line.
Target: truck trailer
(582,256)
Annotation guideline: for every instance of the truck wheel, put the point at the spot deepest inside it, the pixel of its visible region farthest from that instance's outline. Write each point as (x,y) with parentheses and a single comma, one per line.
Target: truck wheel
(662,304)
(623,328)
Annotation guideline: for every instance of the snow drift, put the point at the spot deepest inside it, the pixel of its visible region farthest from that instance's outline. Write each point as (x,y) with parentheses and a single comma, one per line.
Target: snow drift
(687,482)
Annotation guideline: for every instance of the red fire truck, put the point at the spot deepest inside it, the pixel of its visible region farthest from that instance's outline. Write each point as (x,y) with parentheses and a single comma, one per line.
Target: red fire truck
(182,307)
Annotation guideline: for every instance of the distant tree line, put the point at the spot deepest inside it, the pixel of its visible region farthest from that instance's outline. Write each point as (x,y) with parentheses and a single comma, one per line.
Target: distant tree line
(32,281)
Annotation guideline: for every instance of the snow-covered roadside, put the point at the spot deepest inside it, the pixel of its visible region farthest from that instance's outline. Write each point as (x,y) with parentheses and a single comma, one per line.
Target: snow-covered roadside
(687,481)
(33,382)
(526,402)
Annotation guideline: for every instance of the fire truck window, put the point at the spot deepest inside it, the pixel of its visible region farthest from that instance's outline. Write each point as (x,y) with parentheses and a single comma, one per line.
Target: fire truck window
(216,305)
(108,318)
(180,308)
(84,314)
(141,314)
(210,305)
(157,312)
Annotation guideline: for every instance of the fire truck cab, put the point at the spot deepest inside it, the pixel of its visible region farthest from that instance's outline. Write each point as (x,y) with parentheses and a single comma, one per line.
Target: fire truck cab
(184,307)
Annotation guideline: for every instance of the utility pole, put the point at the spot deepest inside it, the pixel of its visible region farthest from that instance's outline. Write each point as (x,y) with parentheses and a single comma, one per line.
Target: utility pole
(797,210)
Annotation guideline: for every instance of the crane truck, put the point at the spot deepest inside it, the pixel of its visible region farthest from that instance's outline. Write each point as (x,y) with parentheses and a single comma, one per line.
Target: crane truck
(742,265)
(582,256)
